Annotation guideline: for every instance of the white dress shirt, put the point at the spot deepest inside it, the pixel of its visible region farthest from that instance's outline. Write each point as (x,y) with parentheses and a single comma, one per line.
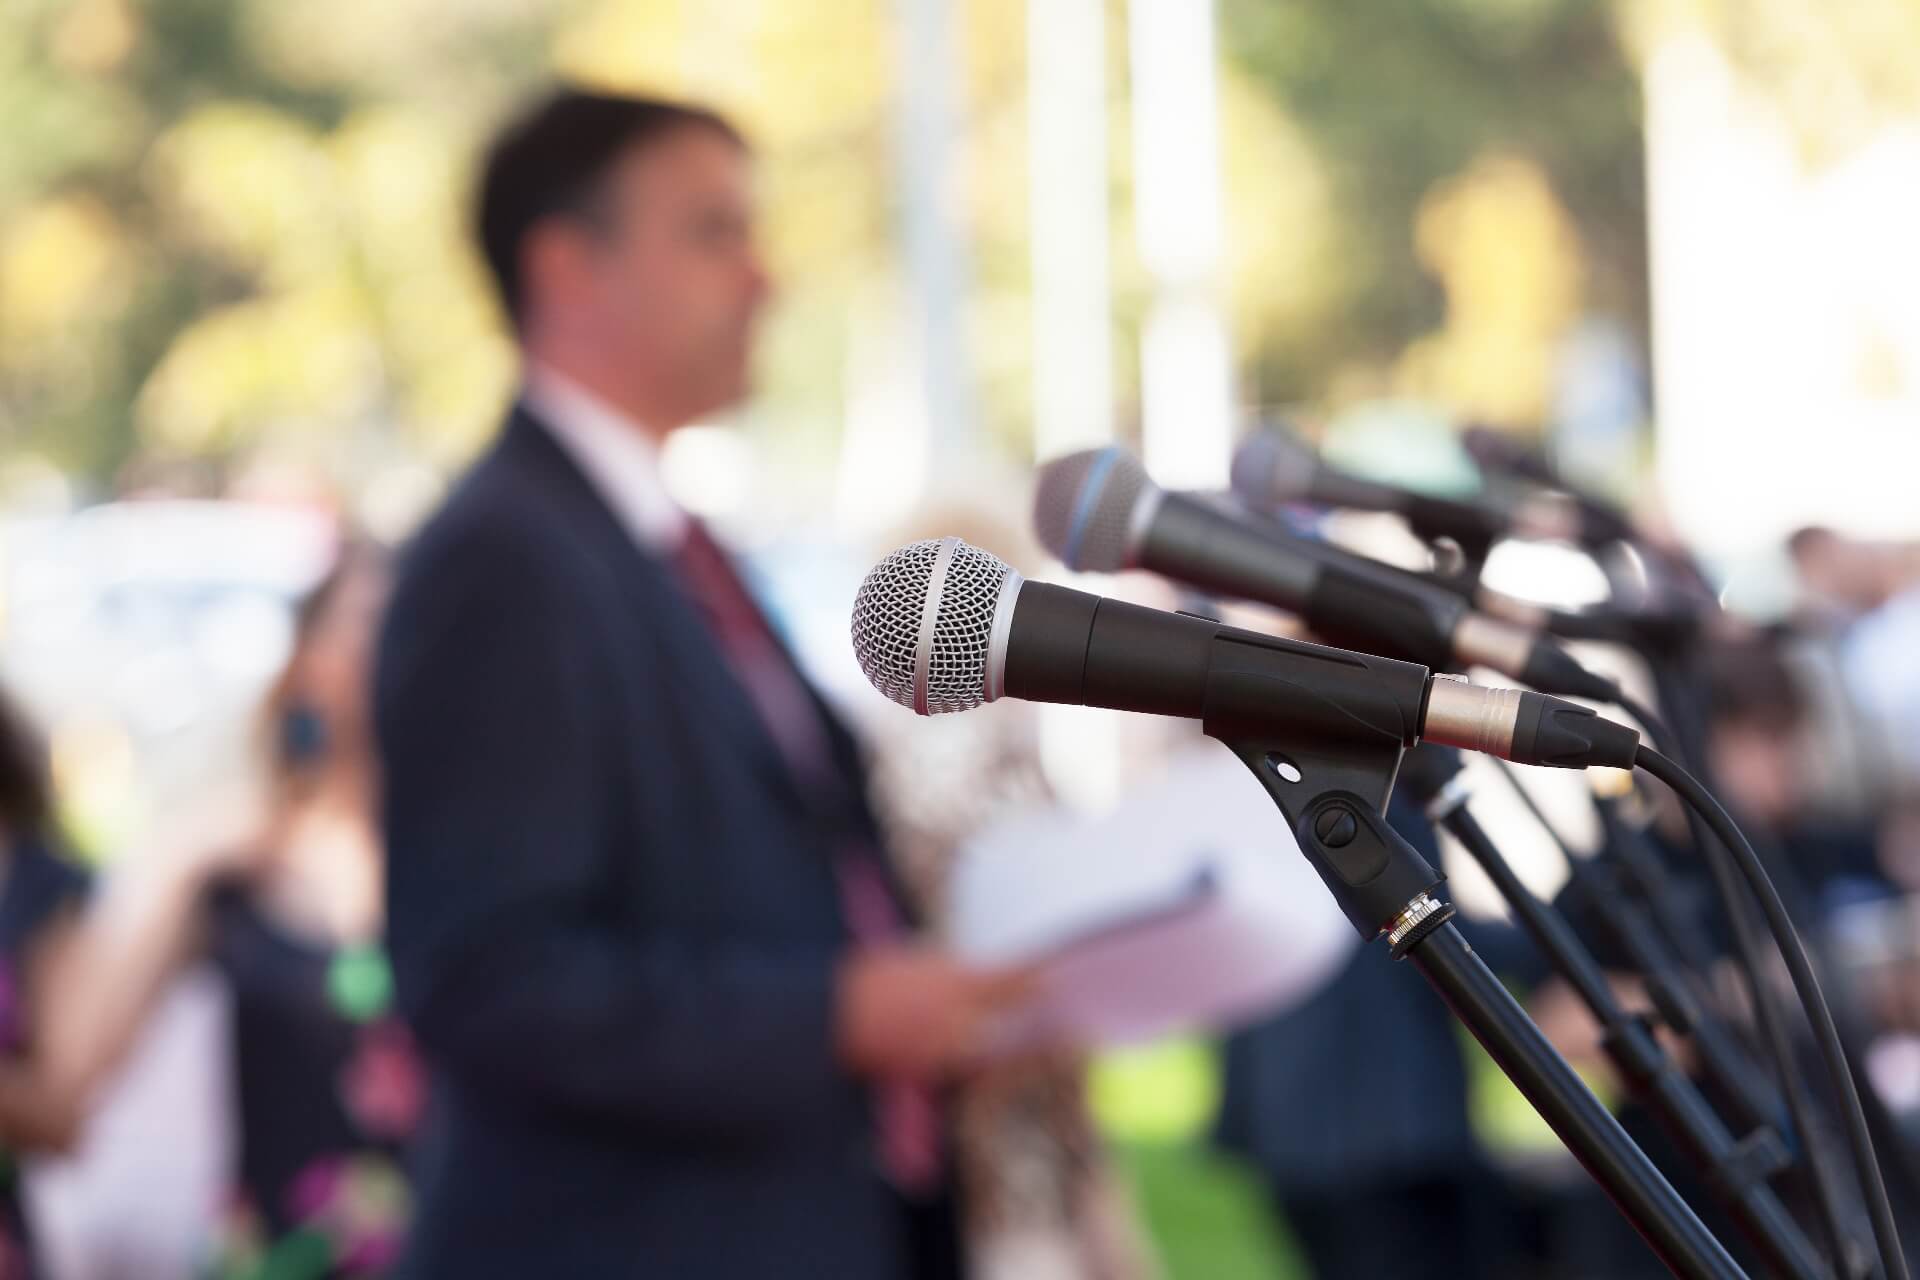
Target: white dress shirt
(622,464)
(617,454)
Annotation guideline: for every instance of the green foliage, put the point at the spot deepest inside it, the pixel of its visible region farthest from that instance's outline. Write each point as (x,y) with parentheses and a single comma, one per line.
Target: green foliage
(1396,96)
(1209,1217)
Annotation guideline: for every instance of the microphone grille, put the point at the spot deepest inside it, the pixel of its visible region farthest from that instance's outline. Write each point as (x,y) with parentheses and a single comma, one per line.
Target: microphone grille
(1272,467)
(1084,505)
(923,625)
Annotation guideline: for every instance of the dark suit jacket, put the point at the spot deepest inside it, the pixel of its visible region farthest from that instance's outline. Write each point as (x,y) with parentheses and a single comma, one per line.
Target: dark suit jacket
(613,918)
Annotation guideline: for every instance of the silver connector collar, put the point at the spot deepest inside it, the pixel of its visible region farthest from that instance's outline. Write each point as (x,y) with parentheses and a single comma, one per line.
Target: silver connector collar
(1470,716)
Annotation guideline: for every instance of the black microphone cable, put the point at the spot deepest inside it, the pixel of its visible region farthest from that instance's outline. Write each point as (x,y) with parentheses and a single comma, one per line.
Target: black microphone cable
(1748,954)
(1813,1000)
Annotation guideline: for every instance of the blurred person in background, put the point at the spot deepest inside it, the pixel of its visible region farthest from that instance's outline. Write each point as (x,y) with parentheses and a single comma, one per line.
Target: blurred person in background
(1758,744)
(1041,1199)
(642,921)
(1866,594)
(288,905)
(40,895)
(1843,578)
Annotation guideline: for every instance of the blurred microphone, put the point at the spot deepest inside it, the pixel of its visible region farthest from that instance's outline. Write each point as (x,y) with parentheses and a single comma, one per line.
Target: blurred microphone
(1497,451)
(1273,467)
(942,626)
(1098,510)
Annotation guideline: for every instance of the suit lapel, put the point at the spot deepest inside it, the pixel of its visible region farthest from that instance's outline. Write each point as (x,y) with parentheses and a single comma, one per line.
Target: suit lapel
(699,678)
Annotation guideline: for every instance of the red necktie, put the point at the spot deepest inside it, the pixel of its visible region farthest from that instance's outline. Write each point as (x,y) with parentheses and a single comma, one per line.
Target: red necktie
(908,1116)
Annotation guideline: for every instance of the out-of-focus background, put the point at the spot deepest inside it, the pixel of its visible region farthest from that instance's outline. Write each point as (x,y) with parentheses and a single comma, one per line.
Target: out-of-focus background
(1672,241)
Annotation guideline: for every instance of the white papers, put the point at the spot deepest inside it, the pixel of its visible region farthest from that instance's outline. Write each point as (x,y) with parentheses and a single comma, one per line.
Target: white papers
(1187,907)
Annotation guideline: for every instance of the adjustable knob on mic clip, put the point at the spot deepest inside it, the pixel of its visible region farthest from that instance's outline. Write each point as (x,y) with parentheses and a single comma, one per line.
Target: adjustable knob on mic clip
(1336,826)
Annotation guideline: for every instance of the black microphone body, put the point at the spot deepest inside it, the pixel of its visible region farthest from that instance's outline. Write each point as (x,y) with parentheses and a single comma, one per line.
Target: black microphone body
(1070,646)
(1099,510)
(1074,647)
(1343,598)
(1348,599)
(940,626)
(1273,467)
(1491,450)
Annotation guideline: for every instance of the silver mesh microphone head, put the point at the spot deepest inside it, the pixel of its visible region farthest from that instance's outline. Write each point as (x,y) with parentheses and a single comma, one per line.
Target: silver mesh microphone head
(1273,467)
(930,625)
(1090,508)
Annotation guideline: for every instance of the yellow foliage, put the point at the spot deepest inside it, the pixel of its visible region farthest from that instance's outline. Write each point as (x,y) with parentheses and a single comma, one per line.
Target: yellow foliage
(59,259)
(1838,72)
(250,183)
(1507,254)
(275,361)
(631,46)
(95,36)
(454,401)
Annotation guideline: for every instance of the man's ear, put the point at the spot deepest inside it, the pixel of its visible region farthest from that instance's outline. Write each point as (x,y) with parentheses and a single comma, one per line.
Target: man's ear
(555,262)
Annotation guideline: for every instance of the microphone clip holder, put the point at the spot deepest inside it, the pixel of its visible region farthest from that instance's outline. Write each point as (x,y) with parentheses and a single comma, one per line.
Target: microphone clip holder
(1335,802)
(1333,789)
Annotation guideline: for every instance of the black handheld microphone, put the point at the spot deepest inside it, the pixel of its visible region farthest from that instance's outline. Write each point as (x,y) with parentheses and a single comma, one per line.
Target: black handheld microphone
(1098,510)
(941,626)
(1496,451)
(1272,468)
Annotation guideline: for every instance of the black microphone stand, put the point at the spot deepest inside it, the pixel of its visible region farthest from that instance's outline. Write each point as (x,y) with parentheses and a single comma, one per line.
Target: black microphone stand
(1625,889)
(1736,1170)
(1622,906)
(1334,797)
(1670,643)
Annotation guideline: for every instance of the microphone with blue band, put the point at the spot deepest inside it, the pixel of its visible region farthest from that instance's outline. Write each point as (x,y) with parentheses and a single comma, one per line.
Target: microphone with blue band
(1099,511)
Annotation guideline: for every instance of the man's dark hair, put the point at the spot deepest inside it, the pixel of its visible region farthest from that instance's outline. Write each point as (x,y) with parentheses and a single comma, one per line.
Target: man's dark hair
(1808,539)
(25,795)
(1752,683)
(555,159)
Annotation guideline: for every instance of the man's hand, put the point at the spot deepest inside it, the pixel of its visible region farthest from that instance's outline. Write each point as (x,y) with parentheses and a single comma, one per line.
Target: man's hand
(919,1013)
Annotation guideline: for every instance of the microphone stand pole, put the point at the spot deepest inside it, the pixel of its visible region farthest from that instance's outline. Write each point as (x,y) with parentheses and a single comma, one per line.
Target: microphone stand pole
(1736,1170)
(1334,796)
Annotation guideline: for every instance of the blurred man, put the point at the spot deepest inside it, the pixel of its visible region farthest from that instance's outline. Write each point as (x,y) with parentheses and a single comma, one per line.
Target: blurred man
(1868,595)
(1760,737)
(640,920)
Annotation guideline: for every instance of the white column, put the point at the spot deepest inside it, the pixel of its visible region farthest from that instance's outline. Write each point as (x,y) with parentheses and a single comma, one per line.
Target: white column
(929,162)
(1786,326)
(1067,214)
(1186,367)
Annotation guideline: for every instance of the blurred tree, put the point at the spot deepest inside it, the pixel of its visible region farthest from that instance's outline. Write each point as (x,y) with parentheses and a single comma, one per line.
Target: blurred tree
(234,223)
(1396,96)
(210,235)
(1503,250)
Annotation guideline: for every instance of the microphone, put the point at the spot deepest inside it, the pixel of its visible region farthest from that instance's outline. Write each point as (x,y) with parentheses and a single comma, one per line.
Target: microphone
(1273,467)
(1497,451)
(1098,510)
(940,626)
